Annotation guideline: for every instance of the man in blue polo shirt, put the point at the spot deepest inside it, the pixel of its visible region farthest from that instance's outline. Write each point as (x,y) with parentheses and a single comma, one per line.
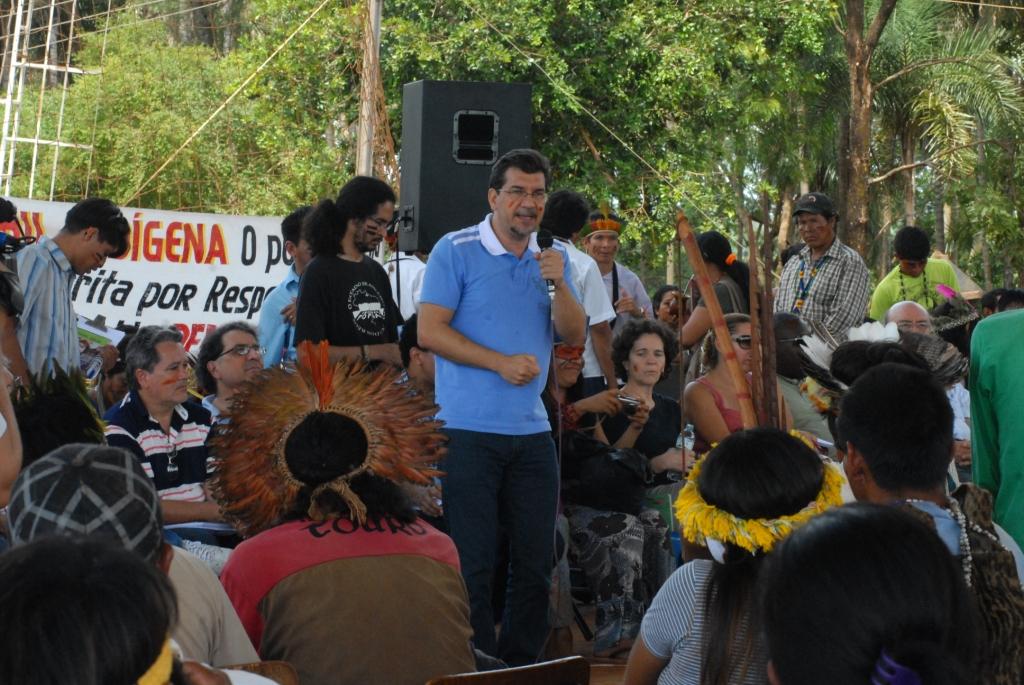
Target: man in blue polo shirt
(277,315)
(487,313)
(163,428)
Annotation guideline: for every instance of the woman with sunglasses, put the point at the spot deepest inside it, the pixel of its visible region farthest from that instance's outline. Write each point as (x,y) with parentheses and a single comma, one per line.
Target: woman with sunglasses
(711,401)
(625,556)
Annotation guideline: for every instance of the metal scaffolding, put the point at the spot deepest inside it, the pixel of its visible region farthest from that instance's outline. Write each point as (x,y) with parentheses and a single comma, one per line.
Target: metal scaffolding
(18,60)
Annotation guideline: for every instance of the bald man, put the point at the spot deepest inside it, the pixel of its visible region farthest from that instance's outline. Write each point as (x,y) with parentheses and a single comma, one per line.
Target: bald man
(911,317)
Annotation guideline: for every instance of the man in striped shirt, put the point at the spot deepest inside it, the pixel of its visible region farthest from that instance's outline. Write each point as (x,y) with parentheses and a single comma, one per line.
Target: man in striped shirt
(164,429)
(94,229)
(827,281)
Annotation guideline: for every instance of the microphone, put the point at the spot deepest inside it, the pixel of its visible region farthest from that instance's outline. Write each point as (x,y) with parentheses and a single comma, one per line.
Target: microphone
(545,239)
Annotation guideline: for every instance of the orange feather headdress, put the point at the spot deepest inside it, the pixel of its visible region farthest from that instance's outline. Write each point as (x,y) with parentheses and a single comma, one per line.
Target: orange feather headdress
(253,484)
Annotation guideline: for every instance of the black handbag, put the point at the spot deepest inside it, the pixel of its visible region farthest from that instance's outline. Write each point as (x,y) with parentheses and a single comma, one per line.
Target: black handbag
(602,477)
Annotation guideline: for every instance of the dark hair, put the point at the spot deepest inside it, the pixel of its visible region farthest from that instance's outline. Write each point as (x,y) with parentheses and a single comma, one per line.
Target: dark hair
(326,224)
(1012,298)
(709,351)
(990,300)
(141,352)
(911,242)
(789,252)
(526,160)
(408,338)
(852,358)
(756,473)
(122,347)
(325,446)
(81,610)
(860,581)
(628,333)
(715,249)
(565,213)
(105,217)
(291,225)
(899,418)
(660,293)
(212,348)
(53,410)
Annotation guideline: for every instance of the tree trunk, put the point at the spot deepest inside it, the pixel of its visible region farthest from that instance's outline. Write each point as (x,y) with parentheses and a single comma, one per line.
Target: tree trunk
(859,48)
(940,215)
(908,148)
(986,262)
(883,235)
(785,218)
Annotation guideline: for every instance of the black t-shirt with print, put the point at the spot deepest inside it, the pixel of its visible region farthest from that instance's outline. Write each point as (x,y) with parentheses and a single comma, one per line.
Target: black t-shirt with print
(346,303)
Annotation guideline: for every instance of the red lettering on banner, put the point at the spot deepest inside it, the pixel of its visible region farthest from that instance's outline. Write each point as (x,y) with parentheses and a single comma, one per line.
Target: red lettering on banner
(192,334)
(173,242)
(195,243)
(31,224)
(217,248)
(179,242)
(149,242)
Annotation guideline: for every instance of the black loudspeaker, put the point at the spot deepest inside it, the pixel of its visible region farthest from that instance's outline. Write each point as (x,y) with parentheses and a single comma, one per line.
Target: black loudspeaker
(452,133)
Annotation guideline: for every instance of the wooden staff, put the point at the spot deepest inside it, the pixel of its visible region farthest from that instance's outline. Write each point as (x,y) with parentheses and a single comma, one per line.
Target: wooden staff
(768,348)
(681,317)
(762,328)
(754,298)
(722,338)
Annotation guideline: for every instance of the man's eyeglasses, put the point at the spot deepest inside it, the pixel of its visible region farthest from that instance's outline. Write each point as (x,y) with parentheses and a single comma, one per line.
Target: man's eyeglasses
(518,194)
(381,225)
(243,351)
(915,326)
(742,341)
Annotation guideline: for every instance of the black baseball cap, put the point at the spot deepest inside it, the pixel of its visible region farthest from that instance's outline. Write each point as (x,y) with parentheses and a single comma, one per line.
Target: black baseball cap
(815,203)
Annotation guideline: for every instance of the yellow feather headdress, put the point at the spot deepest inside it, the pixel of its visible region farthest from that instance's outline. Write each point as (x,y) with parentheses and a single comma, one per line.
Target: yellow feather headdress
(253,483)
(700,520)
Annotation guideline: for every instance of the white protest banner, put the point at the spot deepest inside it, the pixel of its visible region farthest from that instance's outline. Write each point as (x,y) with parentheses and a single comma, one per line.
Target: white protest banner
(193,271)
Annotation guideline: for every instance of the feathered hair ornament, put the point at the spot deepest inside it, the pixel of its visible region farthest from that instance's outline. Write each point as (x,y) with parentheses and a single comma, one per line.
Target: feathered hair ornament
(253,483)
(954,312)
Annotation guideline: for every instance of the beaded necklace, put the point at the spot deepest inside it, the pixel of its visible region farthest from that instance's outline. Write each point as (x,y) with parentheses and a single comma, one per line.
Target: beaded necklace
(925,293)
(966,558)
(804,287)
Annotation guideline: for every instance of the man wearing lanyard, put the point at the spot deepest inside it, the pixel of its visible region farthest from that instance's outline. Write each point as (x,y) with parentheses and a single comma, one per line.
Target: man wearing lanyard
(827,282)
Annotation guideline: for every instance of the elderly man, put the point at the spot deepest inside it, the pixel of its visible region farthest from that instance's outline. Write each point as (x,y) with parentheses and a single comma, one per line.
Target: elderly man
(228,357)
(98,491)
(492,302)
(827,282)
(165,430)
(910,317)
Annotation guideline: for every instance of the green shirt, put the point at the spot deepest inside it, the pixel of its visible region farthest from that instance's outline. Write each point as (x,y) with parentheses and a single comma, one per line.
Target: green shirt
(897,287)
(997,416)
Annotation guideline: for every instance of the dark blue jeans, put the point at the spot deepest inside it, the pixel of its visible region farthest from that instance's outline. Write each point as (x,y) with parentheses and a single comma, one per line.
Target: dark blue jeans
(508,483)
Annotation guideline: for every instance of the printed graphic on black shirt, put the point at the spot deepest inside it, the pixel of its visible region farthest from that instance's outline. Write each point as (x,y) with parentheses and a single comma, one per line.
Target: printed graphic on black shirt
(367,307)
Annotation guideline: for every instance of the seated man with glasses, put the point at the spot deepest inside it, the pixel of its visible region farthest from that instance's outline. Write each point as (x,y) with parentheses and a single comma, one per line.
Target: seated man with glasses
(344,296)
(165,430)
(228,357)
(910,317)
(915,276)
